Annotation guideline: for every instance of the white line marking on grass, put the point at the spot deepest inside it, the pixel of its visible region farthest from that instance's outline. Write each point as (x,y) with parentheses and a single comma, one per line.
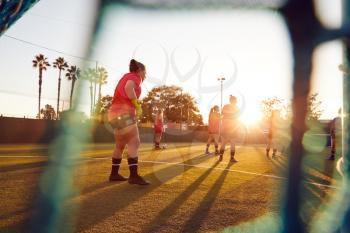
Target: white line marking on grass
(23,156)
(196,166)
(238,171)
(339,164)
(215,168)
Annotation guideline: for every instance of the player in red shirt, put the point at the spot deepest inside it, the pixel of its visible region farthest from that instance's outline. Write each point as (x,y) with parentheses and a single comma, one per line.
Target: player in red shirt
(213,128)
(229,127)
(123,115)
(158,129)
(272,134)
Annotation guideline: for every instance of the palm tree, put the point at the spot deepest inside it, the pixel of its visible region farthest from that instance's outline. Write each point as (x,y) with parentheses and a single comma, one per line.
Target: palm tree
(41,63)
(72,74)
(60,64)
(102,76)
(90,75)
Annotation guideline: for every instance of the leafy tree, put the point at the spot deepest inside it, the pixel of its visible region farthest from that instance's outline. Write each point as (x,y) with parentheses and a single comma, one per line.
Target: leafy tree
(61,65)
(48,113)
(41,63)
(72,74)
(270,104)
(177,106)
(102,107)
(313,107)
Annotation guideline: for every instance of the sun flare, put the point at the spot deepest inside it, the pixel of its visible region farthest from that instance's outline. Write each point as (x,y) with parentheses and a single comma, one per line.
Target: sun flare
(250,117)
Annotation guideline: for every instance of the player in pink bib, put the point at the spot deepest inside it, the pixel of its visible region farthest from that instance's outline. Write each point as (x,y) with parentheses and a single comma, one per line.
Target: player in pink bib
(213,128)
(158,129)
(123,115)
(229,127)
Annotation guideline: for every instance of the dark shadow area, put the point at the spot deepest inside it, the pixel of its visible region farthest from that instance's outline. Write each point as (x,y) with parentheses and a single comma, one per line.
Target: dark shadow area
(321,164)
(23,166)
(169,210)
(41,151)
(193,224)
(106,203)
(312,198)
(107,183)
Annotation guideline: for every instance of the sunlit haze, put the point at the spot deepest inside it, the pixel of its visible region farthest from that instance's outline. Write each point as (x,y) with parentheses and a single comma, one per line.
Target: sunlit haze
(191,49)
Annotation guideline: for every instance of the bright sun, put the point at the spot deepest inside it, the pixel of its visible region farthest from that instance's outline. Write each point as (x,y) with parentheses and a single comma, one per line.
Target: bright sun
(250,117)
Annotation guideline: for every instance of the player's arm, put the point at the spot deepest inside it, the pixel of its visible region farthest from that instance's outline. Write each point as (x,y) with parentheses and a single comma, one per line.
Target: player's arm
(130,90)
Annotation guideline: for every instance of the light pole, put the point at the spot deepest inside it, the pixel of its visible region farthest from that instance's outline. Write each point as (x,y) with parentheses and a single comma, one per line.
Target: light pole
(181,112)
(221,88)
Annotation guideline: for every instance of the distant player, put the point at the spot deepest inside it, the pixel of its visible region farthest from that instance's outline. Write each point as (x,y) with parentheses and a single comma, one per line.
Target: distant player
(335,133)
(123,116)
(229,127)
(272,134)
(213,129)
(158,129)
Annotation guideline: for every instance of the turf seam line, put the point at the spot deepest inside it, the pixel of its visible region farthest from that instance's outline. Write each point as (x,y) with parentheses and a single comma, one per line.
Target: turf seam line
(238,171)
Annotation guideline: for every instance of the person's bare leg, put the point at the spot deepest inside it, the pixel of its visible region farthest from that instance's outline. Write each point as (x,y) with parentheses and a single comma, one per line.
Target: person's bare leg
(233,150)
(133,147)
(210,139)
(274,148)
(216,142)
(117,158)
(222,148)
(157,140)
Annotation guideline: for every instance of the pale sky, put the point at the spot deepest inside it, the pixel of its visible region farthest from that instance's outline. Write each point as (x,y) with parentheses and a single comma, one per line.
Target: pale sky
(191,49)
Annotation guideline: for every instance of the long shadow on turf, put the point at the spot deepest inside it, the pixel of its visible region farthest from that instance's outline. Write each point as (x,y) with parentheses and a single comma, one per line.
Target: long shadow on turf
(169,210)
(43,151)
(106,203)
(22,166)
(93,188)
(312,196)
(194,222)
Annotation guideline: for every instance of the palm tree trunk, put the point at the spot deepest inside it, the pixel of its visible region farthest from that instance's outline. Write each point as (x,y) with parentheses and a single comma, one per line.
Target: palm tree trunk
(40,83)
(91,97)
(71,94)
(94,93)
(99,92)
(58,94)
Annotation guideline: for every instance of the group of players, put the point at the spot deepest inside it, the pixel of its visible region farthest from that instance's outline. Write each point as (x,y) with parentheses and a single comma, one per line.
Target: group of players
(224,125)
(126,109)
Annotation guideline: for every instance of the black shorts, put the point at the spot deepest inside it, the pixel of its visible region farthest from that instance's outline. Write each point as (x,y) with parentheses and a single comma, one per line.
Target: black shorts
(122,121)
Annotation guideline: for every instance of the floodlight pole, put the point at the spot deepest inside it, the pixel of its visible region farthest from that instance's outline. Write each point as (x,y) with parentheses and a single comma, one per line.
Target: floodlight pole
(181,112)
(221,89)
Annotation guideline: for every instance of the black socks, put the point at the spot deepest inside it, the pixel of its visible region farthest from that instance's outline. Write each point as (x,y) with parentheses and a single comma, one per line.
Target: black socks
(115,166)
(274,151)
(133,164)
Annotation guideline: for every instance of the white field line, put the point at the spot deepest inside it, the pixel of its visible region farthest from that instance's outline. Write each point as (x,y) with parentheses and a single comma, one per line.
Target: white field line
(23,156)
(339,165)
(237,171)
(198,166)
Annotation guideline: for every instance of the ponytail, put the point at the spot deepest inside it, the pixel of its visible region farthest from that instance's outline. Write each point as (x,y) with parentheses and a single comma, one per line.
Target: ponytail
(136,66)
